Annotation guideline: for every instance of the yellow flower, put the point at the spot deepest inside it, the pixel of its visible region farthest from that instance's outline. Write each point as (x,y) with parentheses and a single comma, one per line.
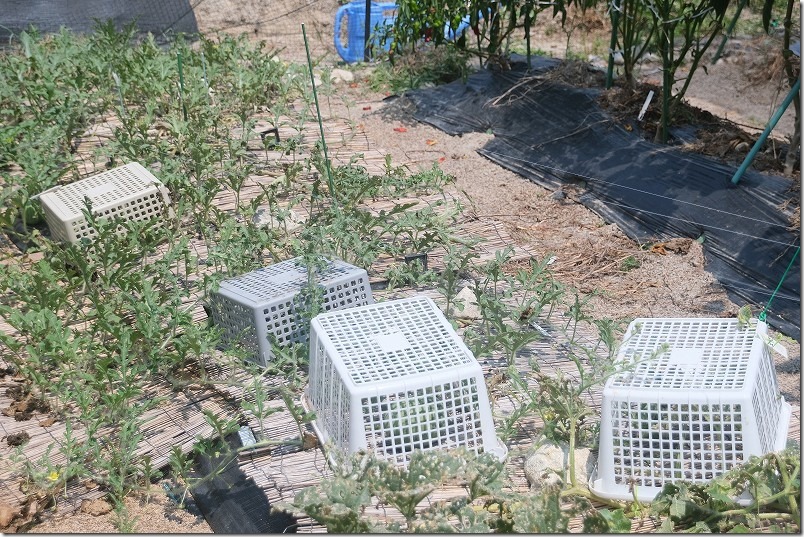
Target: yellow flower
(53,475)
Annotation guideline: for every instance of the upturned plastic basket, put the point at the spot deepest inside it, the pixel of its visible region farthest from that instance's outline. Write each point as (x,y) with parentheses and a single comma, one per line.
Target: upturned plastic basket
(701,406)
(129,192)
(394,377)
(268,302)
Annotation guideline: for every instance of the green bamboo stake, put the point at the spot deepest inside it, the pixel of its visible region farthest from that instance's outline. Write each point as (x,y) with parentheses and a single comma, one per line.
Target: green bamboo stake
(318,113)
(764,136)
(204,67)
(181,86)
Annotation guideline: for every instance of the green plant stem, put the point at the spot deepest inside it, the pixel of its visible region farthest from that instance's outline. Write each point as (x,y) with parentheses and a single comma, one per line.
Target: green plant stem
(330,183)
(267,443)
(615,17)
(696,60)
(181,85)
(749,510)
(787,480)
(572,433)
(754,507)
(589,495)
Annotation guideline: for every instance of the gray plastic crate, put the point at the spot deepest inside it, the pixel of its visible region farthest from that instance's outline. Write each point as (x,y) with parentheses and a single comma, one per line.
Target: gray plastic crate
(268,302)
(129,192)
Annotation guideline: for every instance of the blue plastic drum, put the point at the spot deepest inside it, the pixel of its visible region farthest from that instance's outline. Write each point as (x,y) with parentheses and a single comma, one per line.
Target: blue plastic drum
(354,29)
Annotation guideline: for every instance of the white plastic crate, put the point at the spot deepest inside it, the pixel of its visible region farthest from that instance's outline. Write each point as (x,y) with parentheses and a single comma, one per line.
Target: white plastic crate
(705,404)
(129,192)
(393,377)
(267,302)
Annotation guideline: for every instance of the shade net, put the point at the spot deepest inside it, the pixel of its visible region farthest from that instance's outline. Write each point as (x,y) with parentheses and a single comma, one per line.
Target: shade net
(162,18)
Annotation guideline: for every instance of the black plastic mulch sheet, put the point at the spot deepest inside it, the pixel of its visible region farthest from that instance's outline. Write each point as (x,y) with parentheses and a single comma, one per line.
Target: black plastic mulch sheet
(553,134)
(230,501)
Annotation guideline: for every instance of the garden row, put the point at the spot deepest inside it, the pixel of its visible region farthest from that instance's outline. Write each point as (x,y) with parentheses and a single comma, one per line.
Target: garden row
(223,124)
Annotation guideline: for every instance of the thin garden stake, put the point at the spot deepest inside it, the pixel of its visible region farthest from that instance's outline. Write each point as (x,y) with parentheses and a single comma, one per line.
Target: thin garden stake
(367,29)
(320,123)
(119,92)
(204,67)
(181,87)
(764,313)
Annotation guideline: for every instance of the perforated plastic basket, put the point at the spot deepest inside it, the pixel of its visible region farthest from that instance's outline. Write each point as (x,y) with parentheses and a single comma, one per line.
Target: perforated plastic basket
(393,377)
(704,405)
(268,302)
(129,192)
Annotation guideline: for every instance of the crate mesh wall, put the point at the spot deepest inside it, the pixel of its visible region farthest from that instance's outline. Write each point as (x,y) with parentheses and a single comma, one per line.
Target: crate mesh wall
(269,302)
(129,192)
(237,322)
(394,377)
(766,407)
(691,413)
(447,415)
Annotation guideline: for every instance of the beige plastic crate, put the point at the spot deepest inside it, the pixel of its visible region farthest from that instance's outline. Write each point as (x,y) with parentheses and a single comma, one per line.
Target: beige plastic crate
(128,192)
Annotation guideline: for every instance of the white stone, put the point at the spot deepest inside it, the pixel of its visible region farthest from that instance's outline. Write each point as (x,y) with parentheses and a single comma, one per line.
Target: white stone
(545,468)
(471,310)
(341,75)
(650,57)
(549,466)
(264,218)
(598,63)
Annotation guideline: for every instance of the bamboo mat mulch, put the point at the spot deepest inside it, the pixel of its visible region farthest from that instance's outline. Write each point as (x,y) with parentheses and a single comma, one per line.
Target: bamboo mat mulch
(181,422)
(177,420)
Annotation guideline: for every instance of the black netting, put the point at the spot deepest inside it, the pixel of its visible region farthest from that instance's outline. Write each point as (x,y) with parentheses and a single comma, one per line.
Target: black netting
(159,17)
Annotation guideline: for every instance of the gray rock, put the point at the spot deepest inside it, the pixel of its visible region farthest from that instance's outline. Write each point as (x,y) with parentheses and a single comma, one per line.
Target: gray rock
(559,195)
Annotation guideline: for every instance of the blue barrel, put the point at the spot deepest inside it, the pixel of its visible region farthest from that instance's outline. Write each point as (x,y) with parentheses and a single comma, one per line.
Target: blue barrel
(382,14)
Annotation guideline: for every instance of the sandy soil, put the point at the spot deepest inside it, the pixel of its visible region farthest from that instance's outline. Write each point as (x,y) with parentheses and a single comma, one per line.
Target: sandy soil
(154,513)
(589,253)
